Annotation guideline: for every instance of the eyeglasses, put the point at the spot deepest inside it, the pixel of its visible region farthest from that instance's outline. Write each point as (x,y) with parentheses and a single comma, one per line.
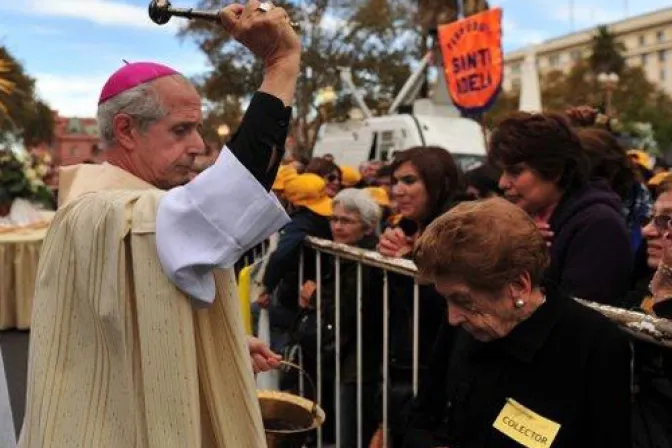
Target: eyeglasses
(343,220)
(660,222)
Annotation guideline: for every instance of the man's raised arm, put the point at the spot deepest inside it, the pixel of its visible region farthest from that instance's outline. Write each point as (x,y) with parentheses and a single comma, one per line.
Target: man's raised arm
(259,142)
(226,210)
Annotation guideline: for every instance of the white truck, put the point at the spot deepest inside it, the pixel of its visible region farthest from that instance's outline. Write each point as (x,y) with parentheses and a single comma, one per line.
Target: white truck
(378,138)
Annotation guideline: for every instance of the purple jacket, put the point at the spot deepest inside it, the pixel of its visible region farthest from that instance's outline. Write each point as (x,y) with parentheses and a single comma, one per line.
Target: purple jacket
(591,255)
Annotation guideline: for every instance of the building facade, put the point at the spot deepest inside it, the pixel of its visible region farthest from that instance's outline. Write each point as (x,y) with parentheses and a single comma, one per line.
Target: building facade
(76,140)
(647,40)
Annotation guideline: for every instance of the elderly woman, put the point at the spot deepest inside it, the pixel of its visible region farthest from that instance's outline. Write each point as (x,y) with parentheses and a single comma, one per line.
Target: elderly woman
(546,172)
(353,222)
(529,366)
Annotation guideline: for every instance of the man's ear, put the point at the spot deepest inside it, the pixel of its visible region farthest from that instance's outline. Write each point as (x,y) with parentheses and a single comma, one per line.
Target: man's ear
(124,131)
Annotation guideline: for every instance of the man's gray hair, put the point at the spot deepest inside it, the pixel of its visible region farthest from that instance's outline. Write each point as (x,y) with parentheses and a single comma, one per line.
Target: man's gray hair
(359,201)
(141,102)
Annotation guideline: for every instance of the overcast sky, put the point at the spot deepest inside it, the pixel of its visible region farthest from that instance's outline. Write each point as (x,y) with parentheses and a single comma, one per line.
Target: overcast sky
(72,46)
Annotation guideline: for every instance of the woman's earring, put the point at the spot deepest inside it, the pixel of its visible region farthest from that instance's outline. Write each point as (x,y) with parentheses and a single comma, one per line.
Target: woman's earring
(519,303)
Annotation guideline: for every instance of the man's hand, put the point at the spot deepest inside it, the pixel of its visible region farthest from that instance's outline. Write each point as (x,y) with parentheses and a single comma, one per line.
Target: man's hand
(269,35)
(265,31)
(263,359)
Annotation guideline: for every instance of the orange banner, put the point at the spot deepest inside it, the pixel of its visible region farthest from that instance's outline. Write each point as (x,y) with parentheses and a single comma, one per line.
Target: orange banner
(473,59)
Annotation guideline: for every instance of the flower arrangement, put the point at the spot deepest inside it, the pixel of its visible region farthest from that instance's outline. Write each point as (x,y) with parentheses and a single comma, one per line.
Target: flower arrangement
(22,177)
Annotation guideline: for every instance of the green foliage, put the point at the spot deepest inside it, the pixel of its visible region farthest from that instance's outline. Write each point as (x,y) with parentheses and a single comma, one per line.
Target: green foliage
(431,12)
(377,39)
(506,102)
(636,101)
(606,54)
(24,115)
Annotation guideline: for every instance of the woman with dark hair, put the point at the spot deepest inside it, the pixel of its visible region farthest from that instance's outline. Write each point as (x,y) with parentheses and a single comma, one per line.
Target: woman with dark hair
(546,172)
(328,171)
(609,161)
(483,181)
(426,182)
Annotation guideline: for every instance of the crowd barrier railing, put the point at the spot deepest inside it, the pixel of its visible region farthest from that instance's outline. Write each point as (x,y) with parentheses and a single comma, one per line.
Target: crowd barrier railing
(648,328)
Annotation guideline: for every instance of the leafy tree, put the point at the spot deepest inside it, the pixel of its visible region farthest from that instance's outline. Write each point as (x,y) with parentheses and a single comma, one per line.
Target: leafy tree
(226,113)
(433,12)
(377,39)
(505,103)
(22,114)
(606,54)
(635,99)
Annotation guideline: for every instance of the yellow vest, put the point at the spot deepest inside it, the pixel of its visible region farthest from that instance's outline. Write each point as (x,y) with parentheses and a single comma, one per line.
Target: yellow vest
(118,356)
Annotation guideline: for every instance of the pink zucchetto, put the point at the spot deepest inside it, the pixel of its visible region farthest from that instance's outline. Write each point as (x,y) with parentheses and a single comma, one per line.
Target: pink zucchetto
(132,75)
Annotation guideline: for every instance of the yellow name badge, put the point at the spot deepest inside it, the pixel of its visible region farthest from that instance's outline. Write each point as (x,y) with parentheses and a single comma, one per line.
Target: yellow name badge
(525,426)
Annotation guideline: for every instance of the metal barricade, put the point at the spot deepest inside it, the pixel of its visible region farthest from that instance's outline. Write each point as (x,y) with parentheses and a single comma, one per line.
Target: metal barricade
(648,328)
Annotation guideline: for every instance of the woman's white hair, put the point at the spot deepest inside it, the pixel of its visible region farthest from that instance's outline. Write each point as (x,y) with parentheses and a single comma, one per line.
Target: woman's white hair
(359,201)
(141,102)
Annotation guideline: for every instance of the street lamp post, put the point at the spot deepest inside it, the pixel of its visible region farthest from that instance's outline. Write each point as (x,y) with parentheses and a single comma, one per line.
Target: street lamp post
(608,81)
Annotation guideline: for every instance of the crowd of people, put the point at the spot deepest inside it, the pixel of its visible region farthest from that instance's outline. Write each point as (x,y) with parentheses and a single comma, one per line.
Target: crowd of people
(136,338)
(583,217)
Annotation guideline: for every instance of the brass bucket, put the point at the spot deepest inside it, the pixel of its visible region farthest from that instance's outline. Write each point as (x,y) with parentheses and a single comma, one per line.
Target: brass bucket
(288,419)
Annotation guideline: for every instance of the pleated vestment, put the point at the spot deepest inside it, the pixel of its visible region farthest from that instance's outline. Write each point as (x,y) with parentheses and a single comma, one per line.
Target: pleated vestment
(118,356)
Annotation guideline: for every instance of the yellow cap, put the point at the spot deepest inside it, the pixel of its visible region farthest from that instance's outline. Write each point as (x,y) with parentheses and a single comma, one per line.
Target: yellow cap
(379,195)
(640,158)
(658,178)
(310,191)
(285,173)
(351,176)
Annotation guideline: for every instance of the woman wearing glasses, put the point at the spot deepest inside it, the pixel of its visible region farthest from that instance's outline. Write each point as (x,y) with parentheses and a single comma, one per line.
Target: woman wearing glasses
(652,293)
(328,171)
(353,222)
